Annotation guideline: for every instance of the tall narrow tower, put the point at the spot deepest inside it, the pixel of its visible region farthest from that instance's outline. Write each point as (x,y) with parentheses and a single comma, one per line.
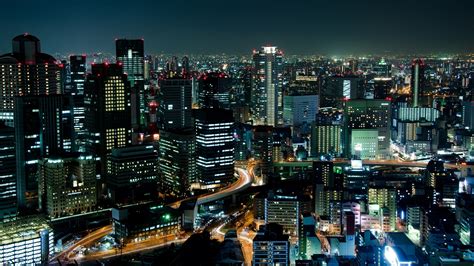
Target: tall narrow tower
(267,94)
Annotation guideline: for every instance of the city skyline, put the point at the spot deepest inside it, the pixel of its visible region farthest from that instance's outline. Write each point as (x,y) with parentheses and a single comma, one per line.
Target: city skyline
(320,27)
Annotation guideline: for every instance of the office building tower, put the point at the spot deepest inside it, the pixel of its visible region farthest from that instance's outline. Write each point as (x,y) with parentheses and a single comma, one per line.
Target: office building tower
(8,204)
(372,116)
(69,185)
(26,241)
(263,147)
(214,90)
(77,64)
(382,69)
(177,162)
(26,71)
(107,110)
(341,87)
(286,210)
(214,147)
(39,132)
(465,216)
(243,141)
(325,139)
(385,202)
(468,115)
(271,246)
(130,54)
(300,109)
(267,92)
(175,103)
(382,87)
(418,81)
(324,172)
(132,174)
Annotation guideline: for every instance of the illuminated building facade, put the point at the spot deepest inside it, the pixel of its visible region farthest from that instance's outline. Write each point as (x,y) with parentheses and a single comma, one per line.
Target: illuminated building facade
(325,139)
(177,162)
(107,109)
(26,241)
(131,53)
(385,202)
(214,147)
(26,71)
(8,204)
(267,92)
(78,78)
(69,185)
(418,81)
(175,103)
(271,246)
(41,128)
(214,90)
(129,223)
(300,109)
(132,174)
(367,114)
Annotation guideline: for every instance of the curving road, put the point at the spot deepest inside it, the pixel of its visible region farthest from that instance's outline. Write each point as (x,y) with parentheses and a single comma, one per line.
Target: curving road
(241,184)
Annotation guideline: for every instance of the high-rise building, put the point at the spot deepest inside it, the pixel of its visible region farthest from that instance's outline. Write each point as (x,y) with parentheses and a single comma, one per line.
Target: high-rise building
(385,198)
(131,53)
(367,115)
(177,162)
(324,172)
(26,71)
(77,64)
(382,87)
(263,147)
(132,174)
(418,81)
(214,147)
(468,114)
(271,246)
(214,90)
(383,69)
(175,103)
(39,132)
(325,139)
(300,109)
(69,185)
(267,93)
(8,204)
(107,109)
(284,210)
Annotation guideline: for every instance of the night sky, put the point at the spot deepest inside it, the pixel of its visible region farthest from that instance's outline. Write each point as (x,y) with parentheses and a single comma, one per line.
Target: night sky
(236,26)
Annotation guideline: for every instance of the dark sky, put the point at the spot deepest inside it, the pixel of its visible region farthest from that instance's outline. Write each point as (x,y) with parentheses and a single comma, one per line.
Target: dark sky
(236,26)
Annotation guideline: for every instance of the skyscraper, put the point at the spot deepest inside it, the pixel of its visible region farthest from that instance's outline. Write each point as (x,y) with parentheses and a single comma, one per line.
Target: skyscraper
(26,71)
(39,132)
(418,81)
(8,206)
(299,109)
(267,92)
(271,246)
(130,53)
(175,103)
(372,116)
(107,109)
(214,147)
(214,90)
(177,163)
(77,65)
